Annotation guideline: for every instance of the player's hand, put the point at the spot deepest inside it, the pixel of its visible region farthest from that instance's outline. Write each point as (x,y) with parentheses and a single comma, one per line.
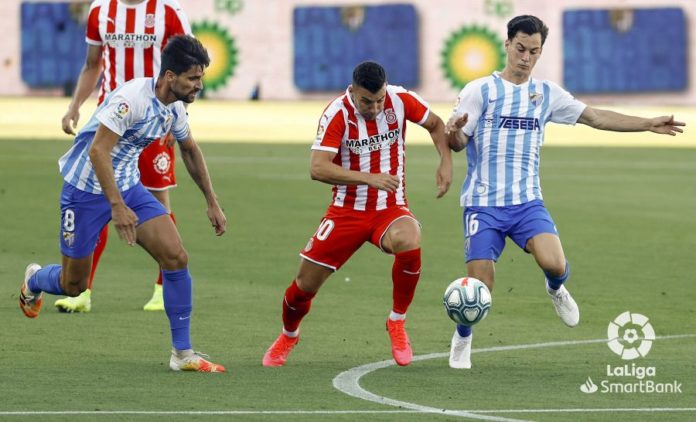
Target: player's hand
(125,221)
(443,177)
(217,219)
(383,181)
(455,123)
(69,121)
(666,125)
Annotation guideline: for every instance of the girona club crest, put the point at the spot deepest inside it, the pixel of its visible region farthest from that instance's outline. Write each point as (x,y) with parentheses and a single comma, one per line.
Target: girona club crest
(162,163)
(149,20)
(390,115)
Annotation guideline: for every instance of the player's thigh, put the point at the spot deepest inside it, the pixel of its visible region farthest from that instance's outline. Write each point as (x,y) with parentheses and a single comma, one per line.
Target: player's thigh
(339,235)
(536,233)
(163,197)
(82,217)
(396,230)
(484,233)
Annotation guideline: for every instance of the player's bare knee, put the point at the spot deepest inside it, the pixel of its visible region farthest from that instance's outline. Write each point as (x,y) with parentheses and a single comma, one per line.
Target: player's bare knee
(174,259)
(555,268)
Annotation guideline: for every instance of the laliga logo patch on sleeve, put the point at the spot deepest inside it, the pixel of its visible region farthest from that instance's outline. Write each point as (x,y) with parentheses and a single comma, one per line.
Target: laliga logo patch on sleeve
(121,110)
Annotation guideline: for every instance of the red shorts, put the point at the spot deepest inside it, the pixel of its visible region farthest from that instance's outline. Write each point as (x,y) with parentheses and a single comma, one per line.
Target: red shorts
(342,232)
(156,165)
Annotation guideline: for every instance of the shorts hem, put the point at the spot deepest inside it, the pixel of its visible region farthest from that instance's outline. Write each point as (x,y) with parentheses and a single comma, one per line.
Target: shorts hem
(160,189)
(314,261)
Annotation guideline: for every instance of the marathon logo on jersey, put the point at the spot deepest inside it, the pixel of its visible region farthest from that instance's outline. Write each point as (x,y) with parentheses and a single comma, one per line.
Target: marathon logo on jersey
(130,40)
(374,142)
(514,122)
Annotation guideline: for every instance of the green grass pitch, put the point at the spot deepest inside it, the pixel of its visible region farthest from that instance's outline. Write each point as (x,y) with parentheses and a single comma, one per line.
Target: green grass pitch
(627,219)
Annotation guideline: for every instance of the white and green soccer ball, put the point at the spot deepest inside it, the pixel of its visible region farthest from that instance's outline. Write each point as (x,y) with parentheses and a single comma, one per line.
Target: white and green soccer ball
(467,301)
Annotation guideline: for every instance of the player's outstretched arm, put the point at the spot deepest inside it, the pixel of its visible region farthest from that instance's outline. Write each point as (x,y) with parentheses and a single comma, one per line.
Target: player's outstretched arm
(611,120)
(89,75)
(323,169)
(123,217)
(443,176)
(196,167)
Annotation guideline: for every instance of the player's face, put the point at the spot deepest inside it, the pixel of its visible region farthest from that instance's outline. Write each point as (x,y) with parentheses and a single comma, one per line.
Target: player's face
(369,104)
(187,85)
(523,51)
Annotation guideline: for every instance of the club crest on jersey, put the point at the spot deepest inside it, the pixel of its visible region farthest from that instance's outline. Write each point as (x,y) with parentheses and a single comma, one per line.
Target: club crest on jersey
(121,110)
(536,98)
(162,163)
(390,116)
(149,20)
(374,142)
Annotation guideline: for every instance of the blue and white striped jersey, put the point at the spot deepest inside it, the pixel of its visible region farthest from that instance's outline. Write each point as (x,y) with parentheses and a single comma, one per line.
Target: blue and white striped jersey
(134,113)
(506,131)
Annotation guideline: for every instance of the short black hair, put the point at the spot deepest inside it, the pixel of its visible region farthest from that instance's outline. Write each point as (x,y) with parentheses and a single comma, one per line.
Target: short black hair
(369,75)
(181,53)
(528,24)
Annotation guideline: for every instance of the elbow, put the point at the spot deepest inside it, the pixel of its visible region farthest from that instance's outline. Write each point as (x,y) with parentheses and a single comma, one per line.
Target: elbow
(314,173)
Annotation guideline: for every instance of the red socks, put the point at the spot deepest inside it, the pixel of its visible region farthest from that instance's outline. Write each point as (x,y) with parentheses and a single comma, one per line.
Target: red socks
(405,275)
(101,244)
(296,304)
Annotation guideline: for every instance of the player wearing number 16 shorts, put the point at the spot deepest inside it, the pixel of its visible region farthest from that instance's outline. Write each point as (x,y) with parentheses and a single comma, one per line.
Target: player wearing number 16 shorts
(360,150)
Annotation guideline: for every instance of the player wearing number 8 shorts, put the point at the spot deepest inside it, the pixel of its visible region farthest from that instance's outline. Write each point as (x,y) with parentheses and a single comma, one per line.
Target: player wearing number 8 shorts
(360,150)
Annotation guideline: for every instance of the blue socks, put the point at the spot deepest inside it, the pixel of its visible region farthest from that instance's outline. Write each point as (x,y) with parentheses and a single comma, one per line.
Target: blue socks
(555,283)
(178,302)
(463,330)
(47,279)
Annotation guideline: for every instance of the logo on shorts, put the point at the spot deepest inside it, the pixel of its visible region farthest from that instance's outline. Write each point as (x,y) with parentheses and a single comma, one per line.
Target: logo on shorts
(390,115)
(308,246)
(69,239)
(122,110)
(162,163)
(149,20)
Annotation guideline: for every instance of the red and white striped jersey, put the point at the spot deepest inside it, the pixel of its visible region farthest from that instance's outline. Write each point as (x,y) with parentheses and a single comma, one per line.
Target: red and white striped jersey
(370,146)
(132,37)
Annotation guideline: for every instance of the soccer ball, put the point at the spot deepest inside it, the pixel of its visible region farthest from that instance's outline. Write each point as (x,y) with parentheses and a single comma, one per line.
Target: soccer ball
(467,301)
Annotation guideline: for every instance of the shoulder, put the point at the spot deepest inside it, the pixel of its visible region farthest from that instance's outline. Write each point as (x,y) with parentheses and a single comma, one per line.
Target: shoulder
(475,87)
(172,4)
(404,94)
(98,3)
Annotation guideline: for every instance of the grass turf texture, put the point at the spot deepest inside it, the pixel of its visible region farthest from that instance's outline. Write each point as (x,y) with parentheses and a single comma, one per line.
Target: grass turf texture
(626,218)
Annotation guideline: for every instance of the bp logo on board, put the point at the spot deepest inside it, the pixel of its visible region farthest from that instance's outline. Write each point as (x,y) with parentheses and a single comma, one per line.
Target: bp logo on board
(471,53)
(222,50)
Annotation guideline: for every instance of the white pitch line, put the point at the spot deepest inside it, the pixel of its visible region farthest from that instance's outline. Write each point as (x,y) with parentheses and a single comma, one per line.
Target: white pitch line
(201,412)
(348,382)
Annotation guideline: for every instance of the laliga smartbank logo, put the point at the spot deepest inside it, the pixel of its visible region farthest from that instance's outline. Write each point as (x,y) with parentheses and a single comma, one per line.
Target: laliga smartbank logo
(630,336)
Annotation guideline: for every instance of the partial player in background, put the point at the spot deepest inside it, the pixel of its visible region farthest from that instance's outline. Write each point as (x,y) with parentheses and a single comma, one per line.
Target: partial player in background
(360,150)
(125,39)
(102,184)
(500,120)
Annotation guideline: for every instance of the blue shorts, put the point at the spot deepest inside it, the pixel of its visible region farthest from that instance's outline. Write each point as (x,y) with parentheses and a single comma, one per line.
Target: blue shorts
(485,228)
(83,215)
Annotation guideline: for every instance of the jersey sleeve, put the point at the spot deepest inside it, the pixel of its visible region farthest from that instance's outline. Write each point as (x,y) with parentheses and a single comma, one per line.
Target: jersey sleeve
(416,109)
(92,35)
(175,21)
(564,107)
(180,127)
(469,101)
(120,112)
(332,126)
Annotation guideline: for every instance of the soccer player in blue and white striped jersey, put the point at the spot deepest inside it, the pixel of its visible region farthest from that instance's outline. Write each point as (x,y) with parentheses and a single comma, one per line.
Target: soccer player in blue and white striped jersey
(102,183)
(500,120)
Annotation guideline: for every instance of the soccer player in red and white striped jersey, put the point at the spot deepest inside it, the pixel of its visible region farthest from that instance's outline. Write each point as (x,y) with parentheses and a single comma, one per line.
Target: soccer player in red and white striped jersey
(125,39)
(360,150)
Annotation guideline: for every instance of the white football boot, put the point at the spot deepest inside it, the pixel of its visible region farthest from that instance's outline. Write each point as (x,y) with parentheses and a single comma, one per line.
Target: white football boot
(460,351)
(565,306)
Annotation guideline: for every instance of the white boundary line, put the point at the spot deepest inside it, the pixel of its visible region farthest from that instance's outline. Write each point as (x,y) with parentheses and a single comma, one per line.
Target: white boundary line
(348,382)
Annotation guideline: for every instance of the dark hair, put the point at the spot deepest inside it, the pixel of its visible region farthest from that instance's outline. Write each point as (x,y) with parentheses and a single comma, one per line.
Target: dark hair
(369,75)
(528,24)
(181,53)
